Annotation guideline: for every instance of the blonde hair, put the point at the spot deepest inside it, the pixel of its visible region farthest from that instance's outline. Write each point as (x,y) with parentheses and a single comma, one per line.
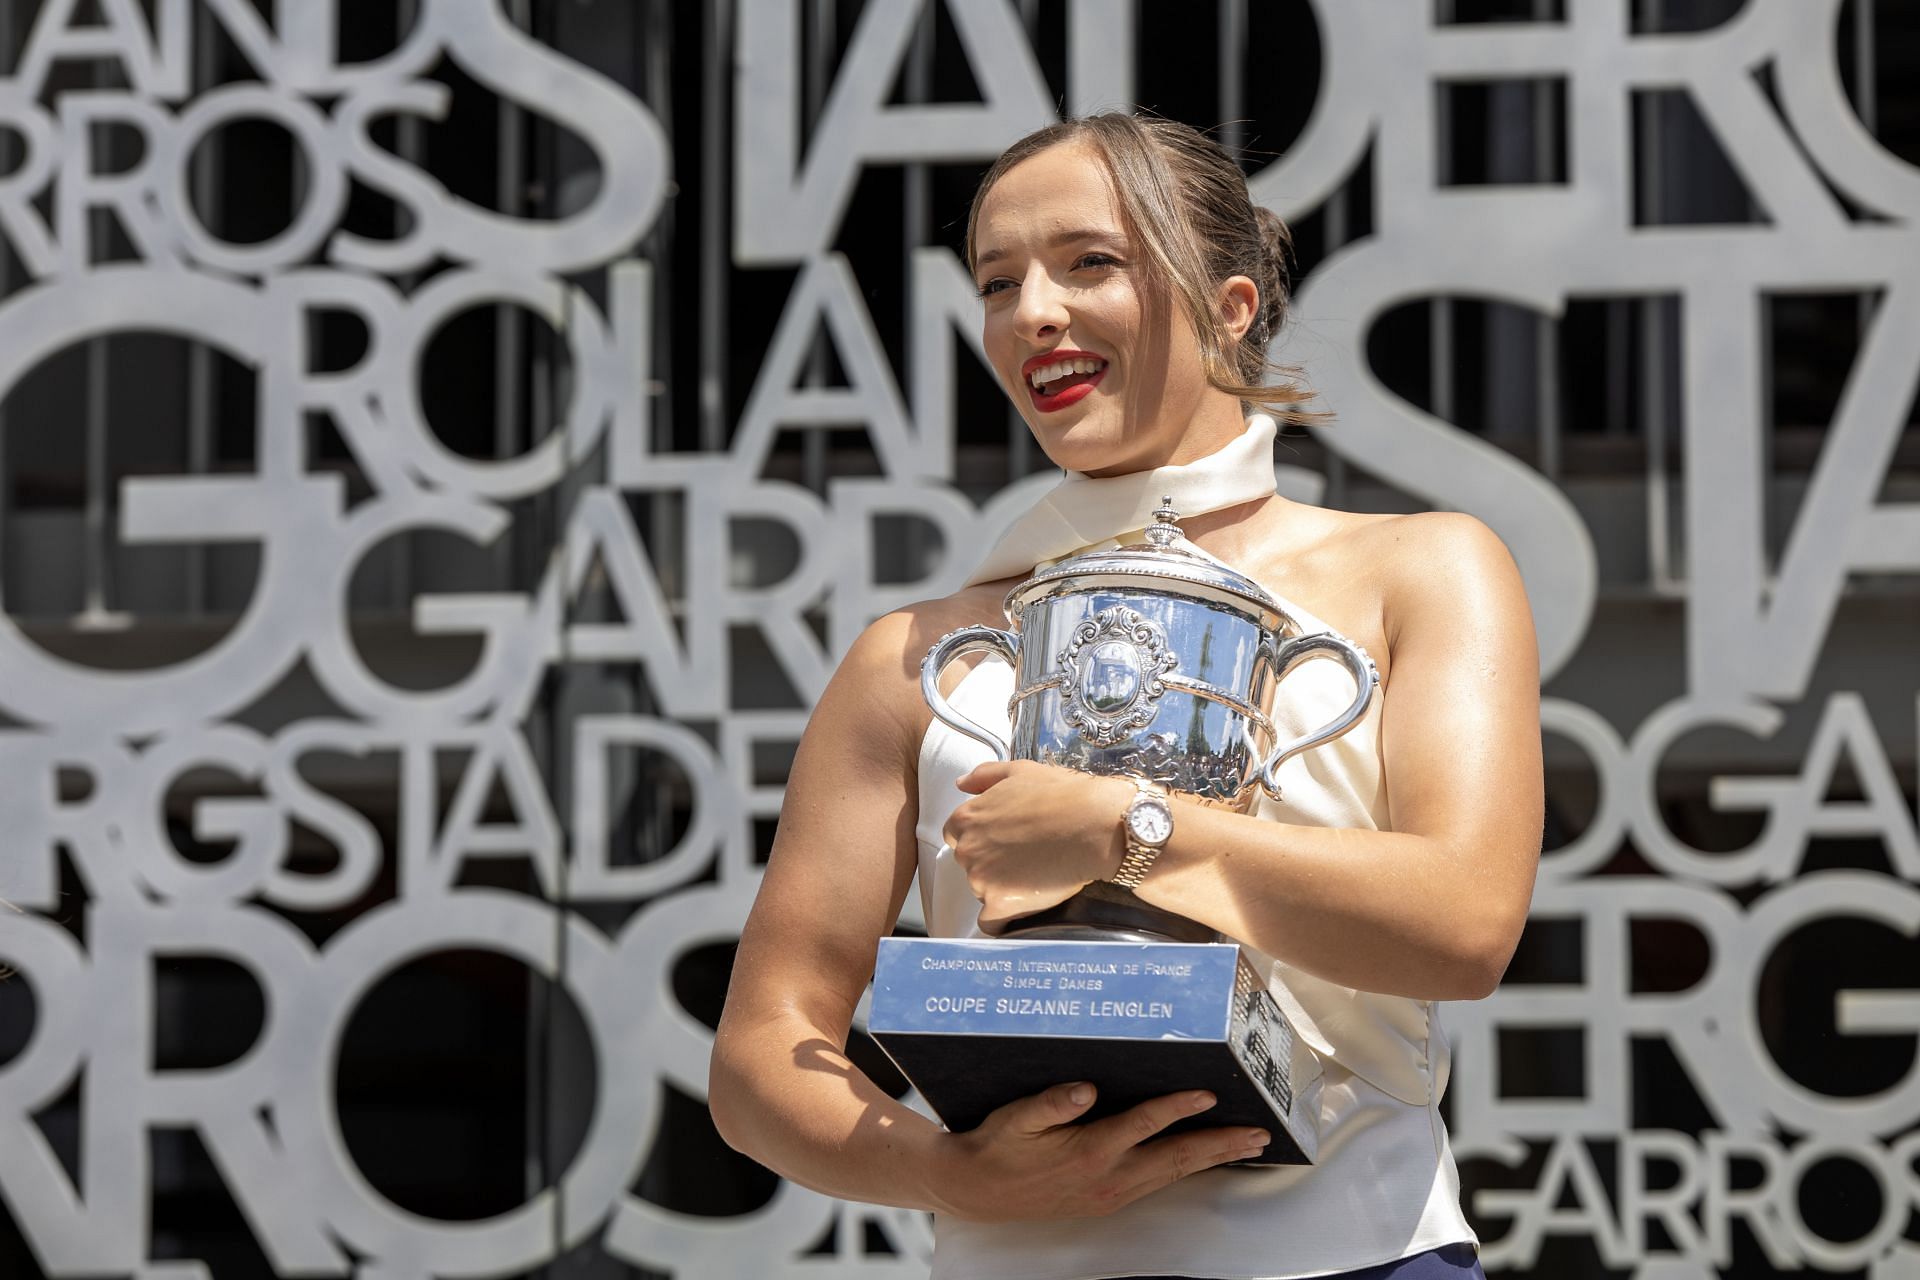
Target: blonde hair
(1186,205)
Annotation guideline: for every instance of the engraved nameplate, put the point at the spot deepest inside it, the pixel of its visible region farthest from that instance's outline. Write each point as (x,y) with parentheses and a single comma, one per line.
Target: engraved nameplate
(1107,990)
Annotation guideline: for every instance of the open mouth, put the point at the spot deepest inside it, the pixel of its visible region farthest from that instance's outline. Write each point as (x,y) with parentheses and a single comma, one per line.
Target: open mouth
(1059,381)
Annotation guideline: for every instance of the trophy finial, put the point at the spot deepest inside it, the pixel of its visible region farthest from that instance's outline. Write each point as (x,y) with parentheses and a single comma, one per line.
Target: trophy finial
(1165,529)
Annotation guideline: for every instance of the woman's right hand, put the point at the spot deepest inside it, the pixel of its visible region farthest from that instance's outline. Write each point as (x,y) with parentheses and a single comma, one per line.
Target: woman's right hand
(1028,1160)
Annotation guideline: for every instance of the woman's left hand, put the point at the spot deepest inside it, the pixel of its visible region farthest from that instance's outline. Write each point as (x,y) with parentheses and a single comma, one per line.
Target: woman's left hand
(1034,834)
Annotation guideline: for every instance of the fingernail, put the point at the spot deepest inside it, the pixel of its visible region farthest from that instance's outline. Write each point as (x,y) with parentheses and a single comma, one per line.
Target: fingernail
(1081,1093)
(1201,1101)
(1258,1138)
(1249,1153)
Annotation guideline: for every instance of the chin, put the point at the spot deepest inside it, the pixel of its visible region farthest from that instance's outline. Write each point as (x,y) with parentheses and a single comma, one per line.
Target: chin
(1077,456)
(1086,446)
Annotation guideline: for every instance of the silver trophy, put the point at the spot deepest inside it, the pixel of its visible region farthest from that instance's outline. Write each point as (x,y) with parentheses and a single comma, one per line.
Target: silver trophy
(1157,664)
(1148,662)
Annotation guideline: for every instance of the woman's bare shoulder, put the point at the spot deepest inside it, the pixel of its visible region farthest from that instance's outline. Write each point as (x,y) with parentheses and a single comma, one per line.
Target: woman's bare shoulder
(898,640)
(1420,567)
(1419,543)
(881,670)
(1358,554)
(1436,568)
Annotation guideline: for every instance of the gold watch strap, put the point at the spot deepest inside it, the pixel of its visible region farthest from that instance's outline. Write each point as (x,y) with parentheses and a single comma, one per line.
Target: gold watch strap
(1134,867)
(1139,857)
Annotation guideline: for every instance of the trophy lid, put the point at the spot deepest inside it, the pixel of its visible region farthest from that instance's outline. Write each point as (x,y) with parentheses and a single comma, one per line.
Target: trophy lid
(1170,568)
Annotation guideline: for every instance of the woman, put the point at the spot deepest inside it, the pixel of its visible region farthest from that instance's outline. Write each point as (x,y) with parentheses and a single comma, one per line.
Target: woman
(1130,294)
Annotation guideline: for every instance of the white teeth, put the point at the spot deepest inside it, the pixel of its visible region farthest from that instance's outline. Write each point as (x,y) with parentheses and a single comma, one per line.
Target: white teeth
(1061,368)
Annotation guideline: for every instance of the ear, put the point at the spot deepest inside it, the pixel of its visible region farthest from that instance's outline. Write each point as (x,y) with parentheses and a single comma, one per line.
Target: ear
(1237,302)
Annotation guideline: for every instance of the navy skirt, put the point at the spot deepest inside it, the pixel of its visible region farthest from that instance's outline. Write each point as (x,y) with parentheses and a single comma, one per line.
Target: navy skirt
(1449,1262)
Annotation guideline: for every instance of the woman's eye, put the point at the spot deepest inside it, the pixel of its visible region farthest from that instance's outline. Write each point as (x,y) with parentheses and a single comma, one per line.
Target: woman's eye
(1094,261)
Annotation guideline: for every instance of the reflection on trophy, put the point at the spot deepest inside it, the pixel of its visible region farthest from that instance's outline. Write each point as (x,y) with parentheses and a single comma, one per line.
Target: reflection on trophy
(1153,663)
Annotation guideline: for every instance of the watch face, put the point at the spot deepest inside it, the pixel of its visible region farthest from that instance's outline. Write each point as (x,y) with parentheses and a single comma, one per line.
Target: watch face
(1151,821)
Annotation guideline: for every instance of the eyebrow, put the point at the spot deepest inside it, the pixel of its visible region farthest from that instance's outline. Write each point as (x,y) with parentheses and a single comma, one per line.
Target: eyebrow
(1054,242)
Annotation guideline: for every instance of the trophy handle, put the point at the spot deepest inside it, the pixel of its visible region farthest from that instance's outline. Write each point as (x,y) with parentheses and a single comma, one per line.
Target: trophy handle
(955,644)
(1366,678)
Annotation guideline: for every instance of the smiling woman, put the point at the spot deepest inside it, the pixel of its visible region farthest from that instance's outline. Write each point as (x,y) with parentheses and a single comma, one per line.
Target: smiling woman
(1130,295)
(1117,224)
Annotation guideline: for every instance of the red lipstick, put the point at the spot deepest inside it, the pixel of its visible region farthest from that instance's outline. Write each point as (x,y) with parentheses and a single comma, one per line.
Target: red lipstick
(1077,385)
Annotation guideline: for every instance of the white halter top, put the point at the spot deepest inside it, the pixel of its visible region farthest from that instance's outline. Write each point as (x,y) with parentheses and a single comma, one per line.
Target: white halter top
(1385,1186)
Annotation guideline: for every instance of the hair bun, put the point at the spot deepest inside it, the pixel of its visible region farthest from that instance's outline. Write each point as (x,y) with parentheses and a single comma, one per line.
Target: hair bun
(1277,281)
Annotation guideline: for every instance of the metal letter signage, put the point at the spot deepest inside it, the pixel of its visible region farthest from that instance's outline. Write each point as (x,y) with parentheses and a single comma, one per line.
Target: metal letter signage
(90,755)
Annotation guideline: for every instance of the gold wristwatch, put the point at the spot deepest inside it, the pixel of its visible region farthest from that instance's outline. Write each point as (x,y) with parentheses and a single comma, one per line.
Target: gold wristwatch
(1147,826)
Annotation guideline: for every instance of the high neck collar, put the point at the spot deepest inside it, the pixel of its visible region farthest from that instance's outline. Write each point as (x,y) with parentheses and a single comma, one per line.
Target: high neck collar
(1083,510)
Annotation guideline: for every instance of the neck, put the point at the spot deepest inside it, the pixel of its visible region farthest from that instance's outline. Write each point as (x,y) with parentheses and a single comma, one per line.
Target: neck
(1217,424)
(1087,508)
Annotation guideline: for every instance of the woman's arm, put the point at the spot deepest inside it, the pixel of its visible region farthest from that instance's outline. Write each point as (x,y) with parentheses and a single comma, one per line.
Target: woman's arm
(1431,908)
(781,1087)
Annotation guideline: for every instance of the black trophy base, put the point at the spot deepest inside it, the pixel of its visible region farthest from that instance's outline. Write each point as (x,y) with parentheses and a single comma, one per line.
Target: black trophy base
(974,1075)
(971,1025)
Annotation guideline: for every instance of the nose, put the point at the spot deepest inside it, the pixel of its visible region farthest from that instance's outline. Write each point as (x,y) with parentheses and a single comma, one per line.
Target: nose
(1041,310)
